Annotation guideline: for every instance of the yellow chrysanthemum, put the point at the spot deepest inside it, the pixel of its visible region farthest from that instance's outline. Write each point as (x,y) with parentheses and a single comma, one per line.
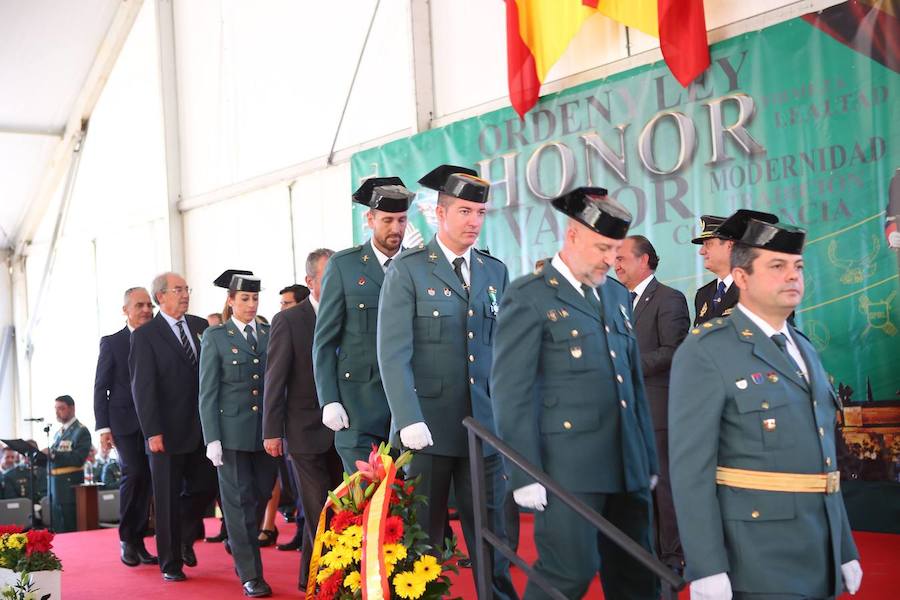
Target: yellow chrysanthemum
(409,585)
(394,552)
(427,566)
(329,538)
(388,568)
(324,574)
(16,541)
(339,557)
(352,581)
(351,537)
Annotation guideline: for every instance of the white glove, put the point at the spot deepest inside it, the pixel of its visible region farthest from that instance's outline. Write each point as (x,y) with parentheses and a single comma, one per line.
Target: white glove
(334,417)
(714,587)
(894,239)
(654,479)
(416,436)
(533,496)
(214,453)
(852,573)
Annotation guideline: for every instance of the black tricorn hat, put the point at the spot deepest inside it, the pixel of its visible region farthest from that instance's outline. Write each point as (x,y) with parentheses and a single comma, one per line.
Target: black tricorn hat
(734,226)
(708,226)
(777,237)
(458,182)
(591,207)
(238,281)
(384,193)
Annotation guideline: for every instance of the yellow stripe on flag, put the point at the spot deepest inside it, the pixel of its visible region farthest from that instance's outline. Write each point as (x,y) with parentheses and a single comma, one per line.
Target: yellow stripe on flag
(547,27)
(638,14)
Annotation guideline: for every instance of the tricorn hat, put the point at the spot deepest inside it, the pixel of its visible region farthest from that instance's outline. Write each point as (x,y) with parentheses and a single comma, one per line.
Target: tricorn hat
(591,207)
(384,193)
(762,230)
(458,182)
(238,280)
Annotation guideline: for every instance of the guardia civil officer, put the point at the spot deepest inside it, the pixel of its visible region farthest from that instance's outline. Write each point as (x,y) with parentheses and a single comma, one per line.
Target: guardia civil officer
(436,320)
(568,394)
(348,381)
(232,364)
(752,450)
(68,454)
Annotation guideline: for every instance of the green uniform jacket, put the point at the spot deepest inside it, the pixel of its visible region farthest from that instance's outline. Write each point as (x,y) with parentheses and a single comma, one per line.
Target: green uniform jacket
(567,386)
(17,483)
(231,386)
(344,357)
(71,448)
(435,343)
(736,401)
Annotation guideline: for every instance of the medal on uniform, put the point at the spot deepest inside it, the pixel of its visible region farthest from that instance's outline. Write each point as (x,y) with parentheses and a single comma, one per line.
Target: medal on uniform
(430,291)
(769,424)
(447,292)
(772,377)
(563,313)
(757,378)
(741,384)
(576,351)
(551,314)
(234,350)
(362,281)
(492,294)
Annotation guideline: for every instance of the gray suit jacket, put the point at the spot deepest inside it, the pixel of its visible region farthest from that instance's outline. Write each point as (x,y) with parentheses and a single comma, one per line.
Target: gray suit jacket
(661,321)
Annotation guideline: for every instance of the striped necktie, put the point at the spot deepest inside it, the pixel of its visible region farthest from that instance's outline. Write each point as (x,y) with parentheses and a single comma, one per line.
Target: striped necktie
(186,344)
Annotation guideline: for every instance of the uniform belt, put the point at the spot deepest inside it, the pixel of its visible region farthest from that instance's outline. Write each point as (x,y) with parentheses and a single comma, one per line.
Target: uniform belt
(821,483)
(65,470)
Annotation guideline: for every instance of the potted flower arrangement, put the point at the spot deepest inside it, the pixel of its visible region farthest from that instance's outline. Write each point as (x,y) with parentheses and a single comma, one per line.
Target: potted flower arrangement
(28,566)
(373,548)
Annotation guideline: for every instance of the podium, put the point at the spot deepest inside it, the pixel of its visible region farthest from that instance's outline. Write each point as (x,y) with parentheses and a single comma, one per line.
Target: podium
(86,507)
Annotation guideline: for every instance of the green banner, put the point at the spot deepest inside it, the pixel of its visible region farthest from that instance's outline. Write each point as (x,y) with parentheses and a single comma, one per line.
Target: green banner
(789,120)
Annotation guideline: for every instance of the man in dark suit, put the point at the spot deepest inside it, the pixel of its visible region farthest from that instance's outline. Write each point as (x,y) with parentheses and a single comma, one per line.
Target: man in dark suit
(718,297)
(165,384)
(117,423)
(291,408)
(661,321)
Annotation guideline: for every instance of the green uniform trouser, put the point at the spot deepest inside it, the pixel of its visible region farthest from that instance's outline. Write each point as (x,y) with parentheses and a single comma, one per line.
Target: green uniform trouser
(359,451)
(571,551)
(63,509)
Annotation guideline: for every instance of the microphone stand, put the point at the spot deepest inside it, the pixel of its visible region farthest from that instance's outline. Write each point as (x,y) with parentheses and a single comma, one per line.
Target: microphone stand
(48,518)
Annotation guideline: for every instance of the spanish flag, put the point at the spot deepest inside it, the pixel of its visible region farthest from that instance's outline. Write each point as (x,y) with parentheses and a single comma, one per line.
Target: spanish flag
(539,31)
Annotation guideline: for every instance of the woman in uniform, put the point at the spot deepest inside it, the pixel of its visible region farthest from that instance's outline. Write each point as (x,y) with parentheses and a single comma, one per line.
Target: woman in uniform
(232,365)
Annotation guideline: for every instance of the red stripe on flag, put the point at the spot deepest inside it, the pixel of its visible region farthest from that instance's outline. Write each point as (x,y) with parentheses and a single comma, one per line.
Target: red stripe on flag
(682,37)
(591,3)
(524,85)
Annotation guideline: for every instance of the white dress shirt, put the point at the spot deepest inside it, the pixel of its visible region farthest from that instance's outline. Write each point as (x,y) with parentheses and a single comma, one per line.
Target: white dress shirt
(767,329)
(187,330)
(381,256)
(240,326)
(639,290)
(566,272)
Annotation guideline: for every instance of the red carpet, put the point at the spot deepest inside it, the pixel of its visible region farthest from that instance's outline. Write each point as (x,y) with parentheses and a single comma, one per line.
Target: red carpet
(92,569)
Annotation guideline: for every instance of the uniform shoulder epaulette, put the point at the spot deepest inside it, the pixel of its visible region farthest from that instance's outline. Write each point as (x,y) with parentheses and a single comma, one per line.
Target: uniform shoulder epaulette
(716,324)
(486,254)
(346,251)
(520,282)
(617,283)
(407,252)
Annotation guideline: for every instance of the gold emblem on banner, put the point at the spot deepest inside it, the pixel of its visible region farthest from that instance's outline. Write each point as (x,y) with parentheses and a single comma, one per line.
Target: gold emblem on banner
(878,314)
(855,270)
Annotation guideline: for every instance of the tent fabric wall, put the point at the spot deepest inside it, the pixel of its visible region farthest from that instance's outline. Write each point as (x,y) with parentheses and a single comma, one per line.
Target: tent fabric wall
(260,89)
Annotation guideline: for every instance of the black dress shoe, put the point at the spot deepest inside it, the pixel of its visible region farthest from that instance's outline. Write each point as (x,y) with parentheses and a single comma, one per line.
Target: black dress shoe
(129,554)
(294,544)
(175,576)
(257,588)
(188,556)
(145,556)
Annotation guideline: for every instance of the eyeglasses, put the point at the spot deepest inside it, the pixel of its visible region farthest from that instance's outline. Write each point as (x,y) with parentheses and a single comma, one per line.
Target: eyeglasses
(179,290)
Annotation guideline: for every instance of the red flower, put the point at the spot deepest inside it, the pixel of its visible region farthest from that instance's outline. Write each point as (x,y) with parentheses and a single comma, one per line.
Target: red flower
(38,540)
(4,529)
(393,530)
(344,519)
(331,586)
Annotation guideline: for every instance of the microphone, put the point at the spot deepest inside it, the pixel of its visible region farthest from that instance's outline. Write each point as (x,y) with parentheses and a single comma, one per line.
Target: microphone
(35,419)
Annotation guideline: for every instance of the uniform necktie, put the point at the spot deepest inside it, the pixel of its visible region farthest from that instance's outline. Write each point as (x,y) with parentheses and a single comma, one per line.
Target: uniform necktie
(633,297)
(186,344)
(457,268)
(592,299)
(720,293)
(251,339)
(387,263)
(781,341)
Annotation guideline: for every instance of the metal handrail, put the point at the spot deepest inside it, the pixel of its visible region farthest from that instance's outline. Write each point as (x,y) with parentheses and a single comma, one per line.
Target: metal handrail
(476,433)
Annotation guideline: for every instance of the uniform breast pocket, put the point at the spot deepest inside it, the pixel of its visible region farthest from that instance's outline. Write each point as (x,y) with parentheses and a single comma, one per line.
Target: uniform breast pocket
(765,415)
(362,314)
(577,342)
(429,318)
(234,370)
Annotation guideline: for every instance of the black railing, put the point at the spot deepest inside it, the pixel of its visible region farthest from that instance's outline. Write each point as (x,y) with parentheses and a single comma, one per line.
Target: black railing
(477,433)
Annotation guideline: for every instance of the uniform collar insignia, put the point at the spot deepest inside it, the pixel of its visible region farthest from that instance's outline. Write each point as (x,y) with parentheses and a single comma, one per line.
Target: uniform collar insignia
(432,257)
(553,281)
